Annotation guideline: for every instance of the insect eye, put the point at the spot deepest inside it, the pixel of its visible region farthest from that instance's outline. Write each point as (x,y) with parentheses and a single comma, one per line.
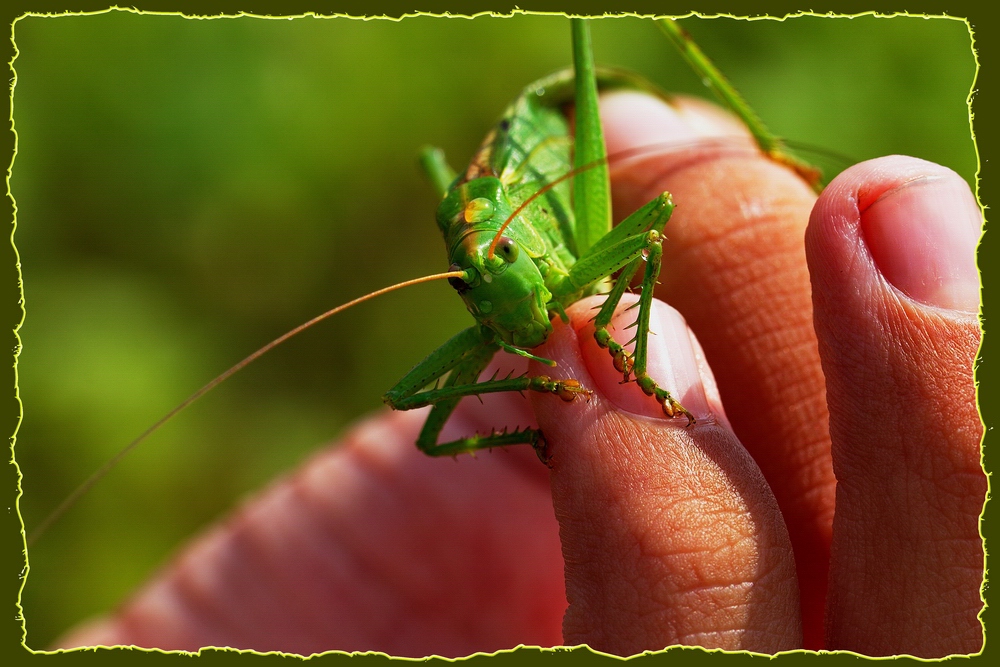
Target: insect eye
(508,249)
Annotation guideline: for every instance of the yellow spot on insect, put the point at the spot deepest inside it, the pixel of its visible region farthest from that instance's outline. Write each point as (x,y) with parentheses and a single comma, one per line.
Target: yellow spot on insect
(478,210)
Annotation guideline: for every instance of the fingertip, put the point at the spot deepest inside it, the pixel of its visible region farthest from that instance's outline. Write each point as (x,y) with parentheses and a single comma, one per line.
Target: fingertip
(671,360)
(676,363)
(897,224)
(891,250)
(630,491)
(631,119)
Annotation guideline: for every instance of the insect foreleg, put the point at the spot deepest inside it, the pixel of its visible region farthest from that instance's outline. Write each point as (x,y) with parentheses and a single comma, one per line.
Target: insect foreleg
(618,247)
(637,238)
(623,361)
(671,407)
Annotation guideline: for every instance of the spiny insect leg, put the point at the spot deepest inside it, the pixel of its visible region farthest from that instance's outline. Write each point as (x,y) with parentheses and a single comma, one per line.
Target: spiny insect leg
(462,381)
(622,360)
(670,406)
(653,221)
(567,390)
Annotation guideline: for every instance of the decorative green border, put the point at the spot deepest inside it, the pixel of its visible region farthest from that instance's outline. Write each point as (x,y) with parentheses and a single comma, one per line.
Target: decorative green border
(983,107)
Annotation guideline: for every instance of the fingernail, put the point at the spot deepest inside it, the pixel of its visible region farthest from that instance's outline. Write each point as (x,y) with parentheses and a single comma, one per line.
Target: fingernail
(671,364)
(922,235)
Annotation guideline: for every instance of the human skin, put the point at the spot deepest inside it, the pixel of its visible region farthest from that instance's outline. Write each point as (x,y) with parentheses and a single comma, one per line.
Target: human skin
(842,336)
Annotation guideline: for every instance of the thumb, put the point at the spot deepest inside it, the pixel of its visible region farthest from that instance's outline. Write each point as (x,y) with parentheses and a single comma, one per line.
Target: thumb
(670,534)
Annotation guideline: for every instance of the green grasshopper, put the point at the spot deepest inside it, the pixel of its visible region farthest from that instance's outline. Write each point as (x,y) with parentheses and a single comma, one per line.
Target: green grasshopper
(526,249)
(523,246)
(526,246)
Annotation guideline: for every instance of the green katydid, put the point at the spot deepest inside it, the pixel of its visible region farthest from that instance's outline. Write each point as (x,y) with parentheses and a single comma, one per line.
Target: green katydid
(415,232)
(526,252)
(526,249)
(522,250)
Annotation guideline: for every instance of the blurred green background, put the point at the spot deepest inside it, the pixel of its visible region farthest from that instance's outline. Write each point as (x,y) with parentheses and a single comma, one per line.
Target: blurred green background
(189,189)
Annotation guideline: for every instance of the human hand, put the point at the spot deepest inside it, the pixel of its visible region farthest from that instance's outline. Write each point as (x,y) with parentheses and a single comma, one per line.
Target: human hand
(891,259)
(670,535)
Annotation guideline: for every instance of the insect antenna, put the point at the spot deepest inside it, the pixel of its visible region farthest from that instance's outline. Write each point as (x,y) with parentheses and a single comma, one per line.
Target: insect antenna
(97,475)
(635,151)
(838,161)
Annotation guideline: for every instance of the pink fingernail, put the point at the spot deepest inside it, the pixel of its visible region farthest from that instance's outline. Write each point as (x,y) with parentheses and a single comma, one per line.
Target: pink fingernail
(922,235)
(671,363)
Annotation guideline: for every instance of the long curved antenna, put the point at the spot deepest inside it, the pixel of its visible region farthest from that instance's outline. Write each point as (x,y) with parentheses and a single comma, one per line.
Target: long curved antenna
(79,492)
(635,151)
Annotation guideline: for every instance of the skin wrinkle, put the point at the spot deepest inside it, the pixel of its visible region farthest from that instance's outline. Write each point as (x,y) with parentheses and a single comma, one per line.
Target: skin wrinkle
(719,611)
(196,587)
(344,569)
(642,179)
(400,591)
(290,631)
(306,537)
(703,564)
(745,279)
(280,575)
(926,468)
(744,635)
(711,567)
(570,628)
(701,607)
(692,588)
(238,576)
(628,599)
(134,628)
(795,393)
(760,332)
(158,604)
(953,484)
(192,587)
(351,543)
(383,475)
(859,260)
(677,503)
(345,560)
(472,538)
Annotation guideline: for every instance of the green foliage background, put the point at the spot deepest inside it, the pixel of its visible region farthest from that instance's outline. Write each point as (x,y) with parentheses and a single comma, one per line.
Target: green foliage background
(189,189)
